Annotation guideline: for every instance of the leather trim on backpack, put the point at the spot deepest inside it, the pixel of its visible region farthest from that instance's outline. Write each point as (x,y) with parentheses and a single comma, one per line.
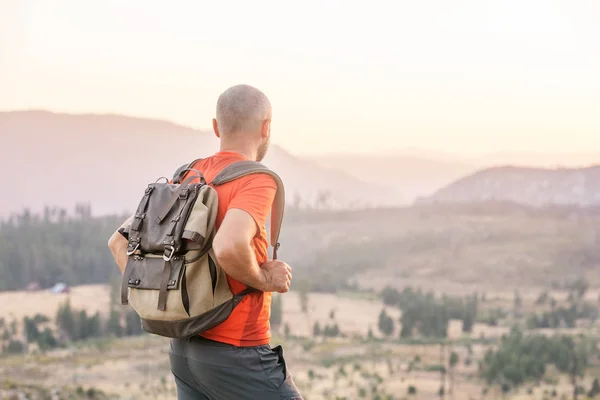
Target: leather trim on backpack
(189,327)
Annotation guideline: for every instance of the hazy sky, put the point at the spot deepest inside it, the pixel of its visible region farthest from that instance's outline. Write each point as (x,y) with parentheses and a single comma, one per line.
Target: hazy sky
(463,76)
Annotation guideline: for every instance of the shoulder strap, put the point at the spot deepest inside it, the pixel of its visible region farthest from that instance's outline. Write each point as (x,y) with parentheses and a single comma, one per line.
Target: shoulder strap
(243,168)
(179,172)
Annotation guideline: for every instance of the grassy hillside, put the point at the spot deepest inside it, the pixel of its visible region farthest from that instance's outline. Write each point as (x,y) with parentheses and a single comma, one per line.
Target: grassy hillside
(489,245)
(525,265)
(444,248)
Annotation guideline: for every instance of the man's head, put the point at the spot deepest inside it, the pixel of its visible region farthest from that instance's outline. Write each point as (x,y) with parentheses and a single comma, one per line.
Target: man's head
(244,117)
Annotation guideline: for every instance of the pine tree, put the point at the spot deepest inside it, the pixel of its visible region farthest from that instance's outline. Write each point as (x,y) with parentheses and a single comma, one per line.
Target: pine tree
(31,330)
(276,311)
(595,390)
(316,329)
(113,325)
(454,359)
(46,340)
(386,323)
(133,324)
(65,320)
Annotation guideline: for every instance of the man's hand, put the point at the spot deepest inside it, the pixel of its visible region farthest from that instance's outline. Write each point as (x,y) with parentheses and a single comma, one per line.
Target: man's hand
(278,276)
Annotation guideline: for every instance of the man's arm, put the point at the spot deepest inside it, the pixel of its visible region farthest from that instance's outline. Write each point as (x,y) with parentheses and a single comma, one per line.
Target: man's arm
(118,246)
(235,255)
(247,214)
(233,251)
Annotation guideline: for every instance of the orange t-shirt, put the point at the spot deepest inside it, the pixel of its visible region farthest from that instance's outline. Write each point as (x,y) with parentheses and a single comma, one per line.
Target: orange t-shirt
(248,324)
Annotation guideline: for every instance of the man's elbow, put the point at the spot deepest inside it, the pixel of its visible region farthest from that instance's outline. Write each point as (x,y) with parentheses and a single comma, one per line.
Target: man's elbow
(226,252)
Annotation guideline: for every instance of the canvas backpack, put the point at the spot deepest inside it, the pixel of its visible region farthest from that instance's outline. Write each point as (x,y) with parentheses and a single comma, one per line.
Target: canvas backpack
(173,279)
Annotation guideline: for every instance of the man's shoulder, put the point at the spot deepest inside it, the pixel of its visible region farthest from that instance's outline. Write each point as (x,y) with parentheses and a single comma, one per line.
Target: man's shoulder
(257,179)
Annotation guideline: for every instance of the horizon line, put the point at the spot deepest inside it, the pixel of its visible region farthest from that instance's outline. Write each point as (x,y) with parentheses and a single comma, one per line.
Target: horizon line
(425,154)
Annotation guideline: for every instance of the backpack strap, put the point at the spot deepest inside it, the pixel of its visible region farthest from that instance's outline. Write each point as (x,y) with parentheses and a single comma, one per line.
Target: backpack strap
(243,168)
(180,172)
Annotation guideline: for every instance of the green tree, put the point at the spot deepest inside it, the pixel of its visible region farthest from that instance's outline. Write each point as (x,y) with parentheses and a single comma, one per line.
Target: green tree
(442,391)
(572,360)
(331,330)
(518,302)
(426,312)
(133,323)
(54,253)
(46,340)
(521,358)
(470,314)
(83,328)
(31,330)
(286,330)
(386,323)
(542,298)
(316,329)
(113,325)
(407,324)
(579,288)
(95,325)
(65,320)
(390,296)
(595,390)
(276,310)
(303,290)
(14,347)
(303,296)
(453,361)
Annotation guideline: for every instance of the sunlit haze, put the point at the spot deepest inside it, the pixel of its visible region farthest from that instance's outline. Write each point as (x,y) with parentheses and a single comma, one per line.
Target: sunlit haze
(465,77)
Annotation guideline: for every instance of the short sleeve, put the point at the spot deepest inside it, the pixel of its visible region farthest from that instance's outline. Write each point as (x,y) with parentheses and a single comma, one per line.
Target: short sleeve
(255,194)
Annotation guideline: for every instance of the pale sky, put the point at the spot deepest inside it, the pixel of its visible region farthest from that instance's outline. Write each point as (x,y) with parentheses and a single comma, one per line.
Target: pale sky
(464,76)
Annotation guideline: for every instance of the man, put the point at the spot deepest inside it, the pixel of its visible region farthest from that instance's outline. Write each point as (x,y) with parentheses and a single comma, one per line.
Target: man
(234,360)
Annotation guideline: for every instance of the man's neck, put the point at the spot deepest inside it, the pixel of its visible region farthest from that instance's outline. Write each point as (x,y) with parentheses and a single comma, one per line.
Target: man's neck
(246,150)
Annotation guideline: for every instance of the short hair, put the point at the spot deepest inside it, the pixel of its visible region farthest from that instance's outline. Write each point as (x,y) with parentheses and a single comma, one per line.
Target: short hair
(242,108)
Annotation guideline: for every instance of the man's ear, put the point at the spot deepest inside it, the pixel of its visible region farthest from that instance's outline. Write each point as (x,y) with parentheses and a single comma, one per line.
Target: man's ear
(216,128)
(265,131)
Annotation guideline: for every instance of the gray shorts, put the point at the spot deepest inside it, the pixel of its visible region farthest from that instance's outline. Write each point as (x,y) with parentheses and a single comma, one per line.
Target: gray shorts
(209,370)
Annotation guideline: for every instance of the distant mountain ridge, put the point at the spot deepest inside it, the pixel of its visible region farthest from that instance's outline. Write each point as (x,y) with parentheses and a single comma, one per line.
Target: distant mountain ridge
(59,159)
(56,159)
(524,185)
(408,175)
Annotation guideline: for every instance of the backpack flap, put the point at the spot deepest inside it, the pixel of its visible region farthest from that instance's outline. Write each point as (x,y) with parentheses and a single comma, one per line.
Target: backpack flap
(161,216)
(147,272)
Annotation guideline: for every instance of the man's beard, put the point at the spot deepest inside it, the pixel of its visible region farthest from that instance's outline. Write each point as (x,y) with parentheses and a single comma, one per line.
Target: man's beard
(262,150)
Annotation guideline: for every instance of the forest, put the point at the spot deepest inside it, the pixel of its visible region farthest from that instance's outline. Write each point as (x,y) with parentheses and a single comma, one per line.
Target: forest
(340,250)
(384,254)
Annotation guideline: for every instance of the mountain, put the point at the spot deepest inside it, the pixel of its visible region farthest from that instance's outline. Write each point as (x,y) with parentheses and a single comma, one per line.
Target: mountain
(528,186)
(537,159)
(407,175)
(54,159)
(416,173)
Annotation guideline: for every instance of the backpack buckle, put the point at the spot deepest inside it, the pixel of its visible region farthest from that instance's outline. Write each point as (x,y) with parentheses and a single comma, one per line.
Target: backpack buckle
(131,251)
(169,253)
(183,194)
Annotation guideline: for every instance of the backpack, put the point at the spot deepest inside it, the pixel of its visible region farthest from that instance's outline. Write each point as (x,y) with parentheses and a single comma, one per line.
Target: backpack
(172,278)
